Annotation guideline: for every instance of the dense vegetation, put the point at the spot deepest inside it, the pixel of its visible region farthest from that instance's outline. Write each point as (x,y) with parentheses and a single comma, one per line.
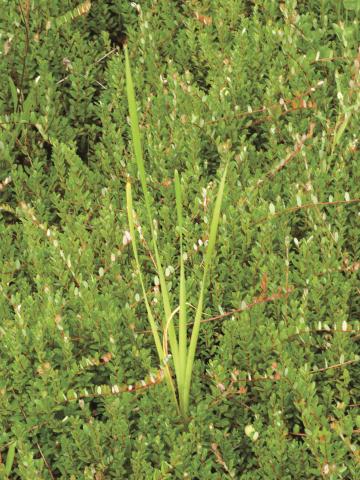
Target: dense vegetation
(269,88)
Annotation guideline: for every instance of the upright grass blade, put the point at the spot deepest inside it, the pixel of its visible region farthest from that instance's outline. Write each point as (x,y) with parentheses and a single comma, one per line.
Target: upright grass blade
(159,347)
(182,296)
(135,133)
(152,322)
(199,310)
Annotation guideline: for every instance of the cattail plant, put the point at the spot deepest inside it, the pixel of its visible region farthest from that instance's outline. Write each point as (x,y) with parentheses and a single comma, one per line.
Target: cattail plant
(182,347)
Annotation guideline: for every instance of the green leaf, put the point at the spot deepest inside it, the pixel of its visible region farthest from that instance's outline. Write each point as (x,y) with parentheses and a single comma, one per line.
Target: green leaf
(10,458)
(199,310)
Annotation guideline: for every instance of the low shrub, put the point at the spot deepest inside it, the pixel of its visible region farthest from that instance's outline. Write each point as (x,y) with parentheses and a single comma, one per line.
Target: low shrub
(269,88)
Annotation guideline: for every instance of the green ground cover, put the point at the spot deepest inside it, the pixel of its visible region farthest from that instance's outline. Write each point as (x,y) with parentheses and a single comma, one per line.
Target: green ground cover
(266,91)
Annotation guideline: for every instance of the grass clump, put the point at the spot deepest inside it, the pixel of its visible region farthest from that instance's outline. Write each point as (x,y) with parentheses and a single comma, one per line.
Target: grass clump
(183,354)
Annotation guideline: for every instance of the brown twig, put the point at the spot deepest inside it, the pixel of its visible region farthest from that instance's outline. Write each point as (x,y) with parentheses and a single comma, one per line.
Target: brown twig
(45,461)
(298,147)
(329,59)
(219,458)
(293,434)
(95,63)
(331,367)
(223,316)
(305,206)
(115,390)
(301,106)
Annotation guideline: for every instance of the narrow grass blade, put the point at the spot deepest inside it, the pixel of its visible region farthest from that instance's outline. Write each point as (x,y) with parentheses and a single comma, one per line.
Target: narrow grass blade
(167,309)
(182,295)
(159,348)
(135,132)
(214,223)
(152,322)
(199,310)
